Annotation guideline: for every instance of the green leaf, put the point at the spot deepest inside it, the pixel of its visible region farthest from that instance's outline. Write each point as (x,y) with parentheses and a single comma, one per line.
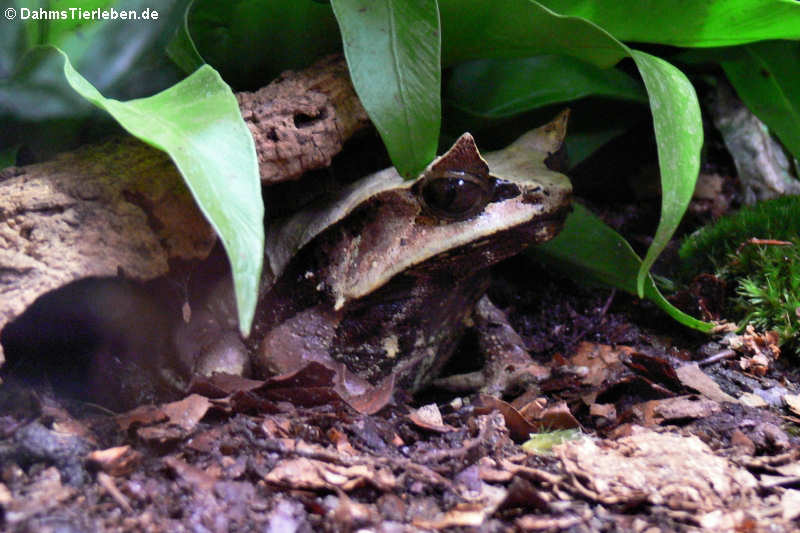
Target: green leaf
(107,51)
(581,143)
(181,48)
(8,157)
(13,41)
(477,29)
(393,53)
(679,138)
(767,78)
(121,58)
(690,24)
(62,31)
(589,250)
(543,443)
(251,42)
(495,88)
(198,123)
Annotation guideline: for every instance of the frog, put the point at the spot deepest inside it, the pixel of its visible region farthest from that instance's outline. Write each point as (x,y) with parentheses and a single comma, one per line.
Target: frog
(379,279)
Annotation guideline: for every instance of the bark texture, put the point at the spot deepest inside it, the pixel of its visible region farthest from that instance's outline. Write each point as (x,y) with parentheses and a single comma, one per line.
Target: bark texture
(302,119)
(122,207)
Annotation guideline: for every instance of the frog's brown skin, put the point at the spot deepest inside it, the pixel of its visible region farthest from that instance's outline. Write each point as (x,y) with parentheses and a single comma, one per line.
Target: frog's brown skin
(380,281)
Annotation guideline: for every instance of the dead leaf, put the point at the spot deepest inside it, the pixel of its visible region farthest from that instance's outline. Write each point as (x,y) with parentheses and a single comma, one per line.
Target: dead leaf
(603,410)
(752,400)
(519,428)
(658,412)
(317,384)
(790,502)
(600,359)
(188,412)
(143,415)
(117,461)
(429,417)
(311,474)
(792,401)
(558,416)
(693,377)
(681,473)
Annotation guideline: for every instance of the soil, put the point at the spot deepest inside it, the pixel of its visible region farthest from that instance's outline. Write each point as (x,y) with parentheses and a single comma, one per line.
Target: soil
(290,461)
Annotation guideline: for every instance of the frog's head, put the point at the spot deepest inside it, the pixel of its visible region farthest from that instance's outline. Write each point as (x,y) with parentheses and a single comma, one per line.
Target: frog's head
(464,213)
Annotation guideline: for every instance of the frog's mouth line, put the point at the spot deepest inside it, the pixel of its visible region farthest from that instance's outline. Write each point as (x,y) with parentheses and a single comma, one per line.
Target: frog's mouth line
(493,248)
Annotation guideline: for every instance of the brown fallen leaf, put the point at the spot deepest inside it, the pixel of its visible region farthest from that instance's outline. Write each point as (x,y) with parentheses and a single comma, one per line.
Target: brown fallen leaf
(188,412)
(553,417)
(117,461)
(681,473)
(659,412)
(429,417)
(601,360)
(312,474)
(143,415)
(693,377)
(792,402)
(518,427)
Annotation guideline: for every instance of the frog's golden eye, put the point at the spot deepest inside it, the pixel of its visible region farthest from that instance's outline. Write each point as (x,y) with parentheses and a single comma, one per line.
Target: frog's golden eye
(453,195)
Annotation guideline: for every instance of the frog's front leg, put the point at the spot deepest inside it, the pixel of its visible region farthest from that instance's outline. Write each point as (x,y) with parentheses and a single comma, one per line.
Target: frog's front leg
(508,365)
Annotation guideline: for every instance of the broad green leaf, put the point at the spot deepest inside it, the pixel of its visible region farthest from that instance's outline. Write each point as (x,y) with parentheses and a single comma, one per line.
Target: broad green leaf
(393,53)
(583,143)
(477,29)
(690,24)
(181,48)
(38,92)
(587,249)
(767,78)
(679,138)
(494,88)
(250,42)
(123,59)
(59,29)
(13,41)
(107,50)
(198,123)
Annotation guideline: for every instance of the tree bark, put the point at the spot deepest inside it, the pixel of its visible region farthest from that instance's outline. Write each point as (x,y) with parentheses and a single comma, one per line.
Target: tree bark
(122,207)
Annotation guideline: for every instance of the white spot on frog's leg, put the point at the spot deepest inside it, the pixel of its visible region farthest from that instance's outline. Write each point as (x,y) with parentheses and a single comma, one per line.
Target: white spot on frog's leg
(391,346)
(339,302)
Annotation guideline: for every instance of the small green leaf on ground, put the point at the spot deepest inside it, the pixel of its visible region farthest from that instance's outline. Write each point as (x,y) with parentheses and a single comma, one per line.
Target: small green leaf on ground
(542,443)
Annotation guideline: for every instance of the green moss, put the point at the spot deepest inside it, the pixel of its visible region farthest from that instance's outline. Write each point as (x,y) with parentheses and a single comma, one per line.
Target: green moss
(766,277)
(709,249)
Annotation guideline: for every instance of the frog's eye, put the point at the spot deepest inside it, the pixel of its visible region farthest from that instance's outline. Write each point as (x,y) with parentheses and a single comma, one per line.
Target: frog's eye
(453,195)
